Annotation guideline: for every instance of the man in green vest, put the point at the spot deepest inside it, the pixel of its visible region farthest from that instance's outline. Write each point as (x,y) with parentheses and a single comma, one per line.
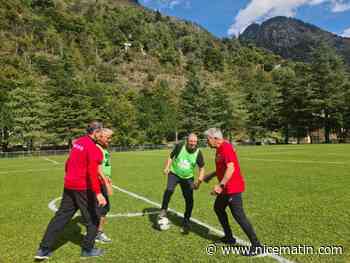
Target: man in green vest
(105,170)
(179,168)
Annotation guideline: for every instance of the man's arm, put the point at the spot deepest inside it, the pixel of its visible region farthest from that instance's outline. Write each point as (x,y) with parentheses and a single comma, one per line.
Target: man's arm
(203,178)
(106,180)
(208,177)
(167,166)
(174,153)
(93,171)
(228,174)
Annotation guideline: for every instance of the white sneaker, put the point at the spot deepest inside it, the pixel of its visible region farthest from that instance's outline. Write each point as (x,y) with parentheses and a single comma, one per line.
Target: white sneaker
(102,238)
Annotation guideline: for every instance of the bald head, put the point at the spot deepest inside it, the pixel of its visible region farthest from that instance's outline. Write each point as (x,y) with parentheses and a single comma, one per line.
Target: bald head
(105,137)
(192,141)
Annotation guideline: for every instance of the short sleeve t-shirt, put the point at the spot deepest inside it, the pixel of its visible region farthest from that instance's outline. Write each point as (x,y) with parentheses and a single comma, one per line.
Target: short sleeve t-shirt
(226,154)
(81,164)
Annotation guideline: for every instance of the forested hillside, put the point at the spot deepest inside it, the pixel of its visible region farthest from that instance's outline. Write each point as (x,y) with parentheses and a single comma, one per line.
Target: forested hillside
(293,39)
(149,76)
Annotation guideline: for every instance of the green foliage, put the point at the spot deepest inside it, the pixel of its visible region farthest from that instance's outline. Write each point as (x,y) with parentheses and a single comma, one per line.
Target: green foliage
(195,109)
(327,81)
(149,76)
(157,112)
(295,113)
(213,59)
(262,98)
(231,113)
(28,107)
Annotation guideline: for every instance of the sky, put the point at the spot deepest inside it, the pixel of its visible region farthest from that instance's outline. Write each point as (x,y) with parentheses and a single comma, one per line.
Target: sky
(225,18)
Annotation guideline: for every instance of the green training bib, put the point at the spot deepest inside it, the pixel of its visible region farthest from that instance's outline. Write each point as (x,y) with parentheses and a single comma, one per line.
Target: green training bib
(184,164)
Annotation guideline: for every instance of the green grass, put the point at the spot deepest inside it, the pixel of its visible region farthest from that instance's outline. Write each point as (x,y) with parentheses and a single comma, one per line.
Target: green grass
(295,195)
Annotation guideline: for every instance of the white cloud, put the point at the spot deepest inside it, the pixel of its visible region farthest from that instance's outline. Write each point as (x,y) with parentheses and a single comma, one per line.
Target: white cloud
(340,6)
(346,32)
(260,10)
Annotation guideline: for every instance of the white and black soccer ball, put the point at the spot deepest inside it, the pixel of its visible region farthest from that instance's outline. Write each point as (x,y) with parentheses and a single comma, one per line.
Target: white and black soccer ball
(163,223)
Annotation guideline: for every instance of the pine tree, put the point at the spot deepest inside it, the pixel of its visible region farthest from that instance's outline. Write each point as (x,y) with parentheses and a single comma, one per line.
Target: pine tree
(328,78)
(157,112)
(28,106)
(195,113)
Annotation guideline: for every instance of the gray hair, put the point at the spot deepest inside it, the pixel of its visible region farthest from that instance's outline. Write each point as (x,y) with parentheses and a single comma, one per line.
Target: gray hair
(214,133)
(107,131)
(94,126)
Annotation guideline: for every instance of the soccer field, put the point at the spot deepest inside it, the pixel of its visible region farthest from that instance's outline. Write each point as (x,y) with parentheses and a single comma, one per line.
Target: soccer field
(296,195)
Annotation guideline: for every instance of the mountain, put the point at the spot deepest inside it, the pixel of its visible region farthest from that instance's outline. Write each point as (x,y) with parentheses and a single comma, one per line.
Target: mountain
(294,39)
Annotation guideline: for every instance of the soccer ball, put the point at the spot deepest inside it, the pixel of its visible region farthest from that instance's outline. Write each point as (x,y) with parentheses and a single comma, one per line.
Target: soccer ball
(163,223)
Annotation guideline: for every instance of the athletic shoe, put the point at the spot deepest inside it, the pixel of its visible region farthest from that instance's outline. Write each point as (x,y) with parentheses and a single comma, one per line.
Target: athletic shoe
(102,238)
(95,252)
(42,254)
(162,213)
(227,240)
(185,230)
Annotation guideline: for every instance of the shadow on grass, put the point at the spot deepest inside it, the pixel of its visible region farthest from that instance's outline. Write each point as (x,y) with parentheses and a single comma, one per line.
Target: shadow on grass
(176,220)
(71,233)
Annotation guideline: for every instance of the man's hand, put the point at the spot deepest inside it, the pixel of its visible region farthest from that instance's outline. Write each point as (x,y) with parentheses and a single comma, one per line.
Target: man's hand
(197,184)
(101,200)
(166,171)
(217,190)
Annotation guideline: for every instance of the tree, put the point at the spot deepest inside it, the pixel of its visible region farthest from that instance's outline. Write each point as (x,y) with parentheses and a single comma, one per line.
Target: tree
(157,112)
(294,107)
(70,103)
(213,59)
(345,127)
(28,106)
(227,104)
(195,112)
(328,78)
(6,123)
(122,115)
(262,98)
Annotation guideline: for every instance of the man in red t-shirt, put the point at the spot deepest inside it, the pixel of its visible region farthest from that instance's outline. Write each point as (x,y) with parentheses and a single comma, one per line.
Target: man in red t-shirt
(82,191)
(229,189)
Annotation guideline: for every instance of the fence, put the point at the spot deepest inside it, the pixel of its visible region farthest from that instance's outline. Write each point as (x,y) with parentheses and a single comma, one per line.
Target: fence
(64,152)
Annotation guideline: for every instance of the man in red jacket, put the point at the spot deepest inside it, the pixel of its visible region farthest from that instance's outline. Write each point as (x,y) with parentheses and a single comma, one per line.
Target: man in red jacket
(81,192)
(229,189)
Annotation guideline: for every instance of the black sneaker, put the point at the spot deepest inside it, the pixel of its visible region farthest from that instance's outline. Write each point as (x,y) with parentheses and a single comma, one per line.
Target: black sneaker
(42,253)
(185,230)
(95,252)
(226,240)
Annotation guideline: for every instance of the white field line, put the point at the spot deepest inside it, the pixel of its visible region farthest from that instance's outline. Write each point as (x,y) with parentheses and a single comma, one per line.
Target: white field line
(132,214)
(50,160)
(240,241)
(52,206)
(292,161)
